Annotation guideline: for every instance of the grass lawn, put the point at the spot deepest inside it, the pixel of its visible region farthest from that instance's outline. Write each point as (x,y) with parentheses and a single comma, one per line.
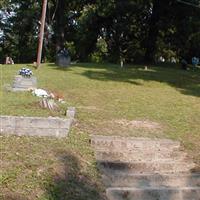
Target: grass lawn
(107,99)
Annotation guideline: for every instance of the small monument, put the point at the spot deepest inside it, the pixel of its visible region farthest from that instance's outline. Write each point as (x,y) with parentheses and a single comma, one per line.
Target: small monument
(195,62)
(62,58)
(184,64)
(24,81)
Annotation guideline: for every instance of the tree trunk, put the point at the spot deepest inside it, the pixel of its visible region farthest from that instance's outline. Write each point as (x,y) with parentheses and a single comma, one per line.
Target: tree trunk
(153,32)
(60,25)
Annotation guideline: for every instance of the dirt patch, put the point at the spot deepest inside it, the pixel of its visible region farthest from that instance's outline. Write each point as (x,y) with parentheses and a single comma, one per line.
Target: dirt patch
(123,127)
(144,124)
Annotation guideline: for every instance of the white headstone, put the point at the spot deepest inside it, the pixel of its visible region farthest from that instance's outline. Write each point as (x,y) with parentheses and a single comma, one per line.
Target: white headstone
(21,83)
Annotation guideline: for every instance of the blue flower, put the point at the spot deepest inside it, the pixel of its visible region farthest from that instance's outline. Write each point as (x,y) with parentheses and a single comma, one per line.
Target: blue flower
(25,72)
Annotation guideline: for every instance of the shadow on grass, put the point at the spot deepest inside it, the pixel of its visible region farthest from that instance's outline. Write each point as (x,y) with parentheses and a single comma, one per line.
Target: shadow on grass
(84,65)
(187,82)
(56,67)
(69,182)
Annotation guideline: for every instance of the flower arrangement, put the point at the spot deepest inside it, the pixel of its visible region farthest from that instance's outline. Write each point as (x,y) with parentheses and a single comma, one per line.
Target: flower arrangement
(25,72)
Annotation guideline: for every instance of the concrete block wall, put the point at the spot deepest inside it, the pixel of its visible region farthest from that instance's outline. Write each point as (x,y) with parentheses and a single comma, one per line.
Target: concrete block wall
(35,126)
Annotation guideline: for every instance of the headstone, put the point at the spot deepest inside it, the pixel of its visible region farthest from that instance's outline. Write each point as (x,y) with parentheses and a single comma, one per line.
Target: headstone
(21,83)
(62,58)
(70,113)
(195,61)
(184,64)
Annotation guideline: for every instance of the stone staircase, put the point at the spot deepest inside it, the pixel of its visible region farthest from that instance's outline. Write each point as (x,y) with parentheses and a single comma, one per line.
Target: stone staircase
(145,169)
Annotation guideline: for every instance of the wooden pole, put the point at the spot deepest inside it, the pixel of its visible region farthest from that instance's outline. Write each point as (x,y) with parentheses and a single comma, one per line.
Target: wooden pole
(41,35)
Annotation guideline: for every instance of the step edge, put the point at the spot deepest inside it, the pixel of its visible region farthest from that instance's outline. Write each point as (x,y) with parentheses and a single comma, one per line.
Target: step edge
(151,188)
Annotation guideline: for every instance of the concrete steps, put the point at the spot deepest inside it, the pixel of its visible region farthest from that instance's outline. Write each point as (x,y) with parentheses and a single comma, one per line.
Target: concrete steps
(154,193)
(131,156)
(151,180)
(121,143)
(145,169)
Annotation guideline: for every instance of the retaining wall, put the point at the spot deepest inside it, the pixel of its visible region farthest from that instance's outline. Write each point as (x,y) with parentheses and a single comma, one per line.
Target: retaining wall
(35,126)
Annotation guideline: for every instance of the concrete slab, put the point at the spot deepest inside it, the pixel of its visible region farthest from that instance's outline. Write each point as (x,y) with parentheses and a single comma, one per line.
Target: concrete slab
(36,126)
(154,193)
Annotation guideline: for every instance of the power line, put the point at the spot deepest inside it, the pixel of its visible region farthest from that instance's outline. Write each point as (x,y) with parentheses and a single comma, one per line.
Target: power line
(188,3)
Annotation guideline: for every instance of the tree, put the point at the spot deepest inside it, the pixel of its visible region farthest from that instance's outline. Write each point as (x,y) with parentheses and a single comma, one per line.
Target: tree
(133,31)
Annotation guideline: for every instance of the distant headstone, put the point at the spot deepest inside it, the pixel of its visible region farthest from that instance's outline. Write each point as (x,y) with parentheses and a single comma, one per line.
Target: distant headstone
(184,64)
(62,58)
(195,61)
(70,113)
(21,83)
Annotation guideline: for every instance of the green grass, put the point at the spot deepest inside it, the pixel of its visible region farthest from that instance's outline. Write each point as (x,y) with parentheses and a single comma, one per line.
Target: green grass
(48,169)
(104,94)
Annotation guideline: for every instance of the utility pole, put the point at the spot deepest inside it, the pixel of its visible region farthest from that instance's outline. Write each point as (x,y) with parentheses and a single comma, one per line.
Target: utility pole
(41,34)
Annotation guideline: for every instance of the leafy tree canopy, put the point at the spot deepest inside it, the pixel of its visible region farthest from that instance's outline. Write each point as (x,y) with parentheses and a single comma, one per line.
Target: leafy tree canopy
(102,30)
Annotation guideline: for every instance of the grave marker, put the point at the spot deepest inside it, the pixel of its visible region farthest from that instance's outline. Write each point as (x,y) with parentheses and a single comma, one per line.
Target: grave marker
(21,83)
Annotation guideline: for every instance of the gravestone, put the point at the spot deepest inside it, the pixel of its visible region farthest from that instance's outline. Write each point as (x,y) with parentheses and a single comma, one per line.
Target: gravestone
(21,83)
(70,113)
(195,61)
(62,58)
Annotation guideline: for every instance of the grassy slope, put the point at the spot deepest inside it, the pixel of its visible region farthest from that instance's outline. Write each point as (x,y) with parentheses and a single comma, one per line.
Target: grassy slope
(102,95)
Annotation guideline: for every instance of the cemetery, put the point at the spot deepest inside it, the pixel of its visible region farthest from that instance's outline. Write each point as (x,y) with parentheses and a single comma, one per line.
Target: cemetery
(99,100)
(98,113)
